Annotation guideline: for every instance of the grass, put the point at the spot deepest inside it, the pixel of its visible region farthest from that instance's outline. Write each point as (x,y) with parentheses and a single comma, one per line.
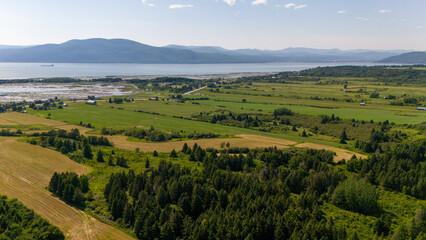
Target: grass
(102,116)
(297,96)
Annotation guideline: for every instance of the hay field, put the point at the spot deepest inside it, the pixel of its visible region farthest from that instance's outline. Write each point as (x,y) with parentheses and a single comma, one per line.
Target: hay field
(25,171)
(242,140)
(340,153)
(15,118)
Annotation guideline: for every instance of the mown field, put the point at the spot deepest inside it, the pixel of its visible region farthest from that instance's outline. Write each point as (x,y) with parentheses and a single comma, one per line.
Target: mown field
(25,171)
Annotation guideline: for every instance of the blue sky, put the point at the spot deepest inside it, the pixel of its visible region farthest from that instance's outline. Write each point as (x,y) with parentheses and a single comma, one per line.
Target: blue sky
(233,24)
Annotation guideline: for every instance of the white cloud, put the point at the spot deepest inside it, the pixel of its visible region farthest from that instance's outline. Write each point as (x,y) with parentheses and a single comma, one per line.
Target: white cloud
(362,18)
(229,2)
(149,4)
(290,5)
(300,6)
(419,27)
(341,11)
(258,2)
(174,6)
(294,6)
(385,11)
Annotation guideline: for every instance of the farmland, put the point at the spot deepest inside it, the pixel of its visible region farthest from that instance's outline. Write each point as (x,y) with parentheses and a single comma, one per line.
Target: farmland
(25,170)
(293,142)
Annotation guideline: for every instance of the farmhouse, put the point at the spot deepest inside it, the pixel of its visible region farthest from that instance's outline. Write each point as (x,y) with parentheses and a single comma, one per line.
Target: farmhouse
(362,103)
(91,102)
(421,108)
(153,99)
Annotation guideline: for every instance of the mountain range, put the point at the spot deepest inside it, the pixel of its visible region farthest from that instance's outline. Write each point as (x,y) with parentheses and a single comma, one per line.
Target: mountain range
(99,50)
(411,58)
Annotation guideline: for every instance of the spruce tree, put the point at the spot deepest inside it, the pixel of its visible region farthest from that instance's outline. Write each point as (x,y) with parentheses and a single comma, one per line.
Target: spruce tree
(185,148)
(343,137)
(99,157)
(173,154)
(87,152)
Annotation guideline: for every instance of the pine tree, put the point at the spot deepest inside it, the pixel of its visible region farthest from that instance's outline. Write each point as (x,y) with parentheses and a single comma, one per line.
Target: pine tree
(53,184)
(343,137)
(185,148)
(128,213)
(161,197)
(84,183)
(99,157)
(155,153)
(87,152)
(111,160)
(167,232)
(173,154)
(78,197)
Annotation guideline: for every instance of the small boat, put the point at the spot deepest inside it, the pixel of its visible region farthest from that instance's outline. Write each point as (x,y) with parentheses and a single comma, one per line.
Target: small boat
(47,65)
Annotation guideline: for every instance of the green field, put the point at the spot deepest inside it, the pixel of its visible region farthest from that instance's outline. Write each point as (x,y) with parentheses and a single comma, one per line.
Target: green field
(104,116)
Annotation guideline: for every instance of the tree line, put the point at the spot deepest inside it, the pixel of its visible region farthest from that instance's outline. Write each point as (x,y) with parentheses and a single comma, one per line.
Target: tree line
(19,222)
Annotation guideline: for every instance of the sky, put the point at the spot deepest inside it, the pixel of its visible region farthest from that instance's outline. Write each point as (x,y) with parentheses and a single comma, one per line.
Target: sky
(233,24)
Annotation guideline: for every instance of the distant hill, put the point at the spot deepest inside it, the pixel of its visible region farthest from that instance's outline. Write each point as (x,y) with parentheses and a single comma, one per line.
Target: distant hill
(99,50)
(10,46)
(301,54)
(113,51)
(411,57)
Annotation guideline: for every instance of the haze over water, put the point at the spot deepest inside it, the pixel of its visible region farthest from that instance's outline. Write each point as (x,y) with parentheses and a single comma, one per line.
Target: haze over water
(36,70)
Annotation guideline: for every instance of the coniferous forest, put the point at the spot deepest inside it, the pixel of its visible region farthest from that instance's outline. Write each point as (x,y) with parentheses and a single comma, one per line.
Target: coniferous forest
(19,222)
(262,194)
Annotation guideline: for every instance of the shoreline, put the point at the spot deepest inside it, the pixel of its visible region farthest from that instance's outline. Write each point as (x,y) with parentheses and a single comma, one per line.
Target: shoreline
(33,71)
(141,77)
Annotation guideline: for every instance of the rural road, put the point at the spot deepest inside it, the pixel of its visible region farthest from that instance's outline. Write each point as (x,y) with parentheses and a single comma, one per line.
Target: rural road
(193,91)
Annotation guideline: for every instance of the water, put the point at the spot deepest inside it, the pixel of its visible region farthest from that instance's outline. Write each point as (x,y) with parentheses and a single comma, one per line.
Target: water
(36,70)
(42,91)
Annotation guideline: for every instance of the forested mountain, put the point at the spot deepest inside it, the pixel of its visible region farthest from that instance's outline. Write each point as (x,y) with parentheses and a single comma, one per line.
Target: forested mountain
(127,51)
(300,54)
(412,57)
(113,51)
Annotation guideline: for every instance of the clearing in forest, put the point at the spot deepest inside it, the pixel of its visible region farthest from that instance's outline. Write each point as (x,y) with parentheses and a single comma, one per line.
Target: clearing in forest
(243,140)
(340,153)
(25,171)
